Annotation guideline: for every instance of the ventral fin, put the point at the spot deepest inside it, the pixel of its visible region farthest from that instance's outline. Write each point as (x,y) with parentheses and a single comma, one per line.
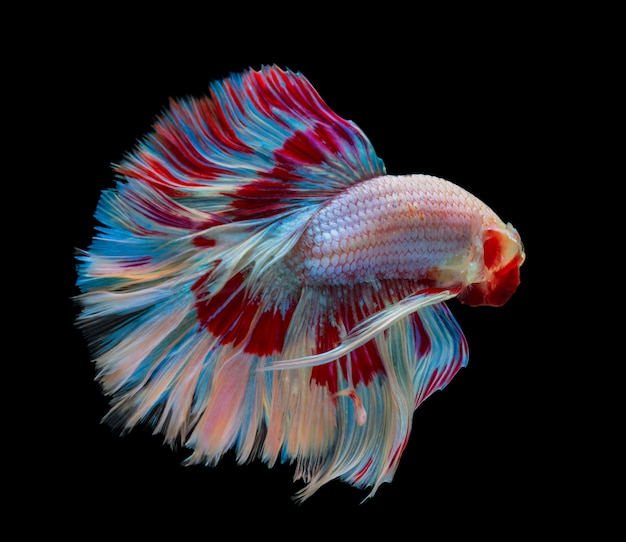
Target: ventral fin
(369,328)
(375,352)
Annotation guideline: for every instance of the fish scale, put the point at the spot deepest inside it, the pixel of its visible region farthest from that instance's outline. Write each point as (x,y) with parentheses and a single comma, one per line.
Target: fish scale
(424,221)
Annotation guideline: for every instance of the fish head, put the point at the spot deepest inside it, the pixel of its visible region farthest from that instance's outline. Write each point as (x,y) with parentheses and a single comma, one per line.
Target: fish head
(503,255)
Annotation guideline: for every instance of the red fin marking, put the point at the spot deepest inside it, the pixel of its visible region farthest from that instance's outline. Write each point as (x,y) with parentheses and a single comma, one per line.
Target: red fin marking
(425,345)
(309,101)
(136,262)
(397,453)
(261,199)
(268,336)
(281,94)
(282,172)
(325,136)
(299,148)
(148,169)
(301,96)
(184,158)
(431,387)
(438,380)
(441,376)
(363,362)
(267,105)
(218,311)
(162,210)
(201,242)
(265,198)
(233,316)
(364,470)
(225,308)
(185,163)
(366,360)
(241,311)
(263,191)
(233,95)
(181,152)
(171,191)
(326,375)
(328,337)
(217,127)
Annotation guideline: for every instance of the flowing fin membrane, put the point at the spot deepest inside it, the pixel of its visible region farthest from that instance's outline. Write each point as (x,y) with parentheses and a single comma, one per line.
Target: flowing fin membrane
(199,328)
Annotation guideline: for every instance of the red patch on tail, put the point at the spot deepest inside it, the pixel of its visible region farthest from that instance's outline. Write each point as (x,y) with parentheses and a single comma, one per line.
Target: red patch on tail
(219,311)
(235,317)
(270,331)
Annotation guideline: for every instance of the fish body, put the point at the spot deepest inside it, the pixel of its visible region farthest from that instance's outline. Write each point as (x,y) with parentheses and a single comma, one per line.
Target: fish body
(401,227)
(259,282)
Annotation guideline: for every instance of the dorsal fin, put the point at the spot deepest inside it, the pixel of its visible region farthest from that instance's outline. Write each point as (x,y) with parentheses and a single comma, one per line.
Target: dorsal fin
(260,144)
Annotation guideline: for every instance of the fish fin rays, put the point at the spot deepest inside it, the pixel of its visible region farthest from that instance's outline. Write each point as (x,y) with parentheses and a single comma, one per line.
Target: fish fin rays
(367,329)
(375,389)
(349,418)
(260,145)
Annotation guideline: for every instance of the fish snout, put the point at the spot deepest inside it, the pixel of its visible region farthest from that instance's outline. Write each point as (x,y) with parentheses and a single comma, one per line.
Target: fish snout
(503,255)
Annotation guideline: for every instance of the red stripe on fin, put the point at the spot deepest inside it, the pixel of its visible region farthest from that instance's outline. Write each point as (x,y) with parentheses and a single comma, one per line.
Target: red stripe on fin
(236,316)
(260,144)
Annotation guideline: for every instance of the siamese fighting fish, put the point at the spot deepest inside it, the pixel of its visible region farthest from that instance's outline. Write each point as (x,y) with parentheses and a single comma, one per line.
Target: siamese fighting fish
(258,283)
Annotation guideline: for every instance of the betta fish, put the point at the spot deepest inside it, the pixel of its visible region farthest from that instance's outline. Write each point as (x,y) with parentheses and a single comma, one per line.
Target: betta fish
(258,283)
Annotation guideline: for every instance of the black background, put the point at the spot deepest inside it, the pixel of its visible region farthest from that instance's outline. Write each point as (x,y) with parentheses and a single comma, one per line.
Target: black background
(475,103)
